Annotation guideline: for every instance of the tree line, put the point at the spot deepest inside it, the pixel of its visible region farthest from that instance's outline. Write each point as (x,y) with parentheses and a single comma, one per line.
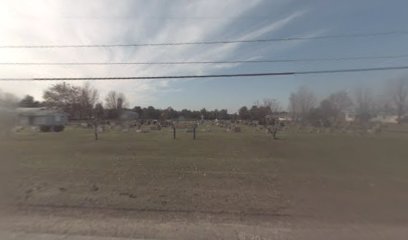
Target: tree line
(361,103)
(84,102)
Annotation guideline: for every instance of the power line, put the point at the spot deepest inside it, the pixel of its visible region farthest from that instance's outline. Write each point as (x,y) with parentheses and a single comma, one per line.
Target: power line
(210,62)
(210,76)
(260,17)
(355,35)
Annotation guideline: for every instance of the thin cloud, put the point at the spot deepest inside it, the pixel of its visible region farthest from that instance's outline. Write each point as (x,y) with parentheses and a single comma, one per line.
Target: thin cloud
(54,23)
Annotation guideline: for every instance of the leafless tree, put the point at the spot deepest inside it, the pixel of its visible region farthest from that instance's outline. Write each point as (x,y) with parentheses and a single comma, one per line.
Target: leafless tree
(273,104)
(301,102)
(340,101)
(98,113)
(88,97)
(364,104)
(111,100)
(399,93)
(115,100)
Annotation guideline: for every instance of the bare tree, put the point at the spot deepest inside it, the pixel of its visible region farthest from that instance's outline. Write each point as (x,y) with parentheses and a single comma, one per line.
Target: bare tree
(98,113)
(399,93)
(301,102)
(115,100)
(273,104)
(111,100)
(364,104)
(87,99)
(340,101)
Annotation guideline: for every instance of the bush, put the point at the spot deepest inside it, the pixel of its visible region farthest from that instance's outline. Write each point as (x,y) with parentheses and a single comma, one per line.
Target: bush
(45,128)
(58,128)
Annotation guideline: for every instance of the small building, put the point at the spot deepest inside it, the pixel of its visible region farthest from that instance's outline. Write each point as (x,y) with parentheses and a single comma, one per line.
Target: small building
(281,117)
(383,118)
(127,115)
(349,117)
(44,118)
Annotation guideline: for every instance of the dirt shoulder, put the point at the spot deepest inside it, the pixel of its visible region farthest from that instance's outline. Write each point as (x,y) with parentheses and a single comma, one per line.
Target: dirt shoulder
(75,224)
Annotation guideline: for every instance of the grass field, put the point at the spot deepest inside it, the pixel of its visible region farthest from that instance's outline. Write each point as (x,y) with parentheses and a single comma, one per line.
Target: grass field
(245,176)
(218,172)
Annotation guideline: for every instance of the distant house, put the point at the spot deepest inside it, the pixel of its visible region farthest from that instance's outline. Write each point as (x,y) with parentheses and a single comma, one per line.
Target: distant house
(384,118)
(127,115)
(46,119)
(281,117)
(349,117)
(380,118)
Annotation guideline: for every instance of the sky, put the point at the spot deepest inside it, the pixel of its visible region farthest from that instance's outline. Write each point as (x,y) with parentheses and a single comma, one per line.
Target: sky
(76,22)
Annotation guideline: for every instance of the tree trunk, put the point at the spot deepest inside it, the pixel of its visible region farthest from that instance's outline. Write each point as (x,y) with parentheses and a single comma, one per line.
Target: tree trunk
(96,130)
